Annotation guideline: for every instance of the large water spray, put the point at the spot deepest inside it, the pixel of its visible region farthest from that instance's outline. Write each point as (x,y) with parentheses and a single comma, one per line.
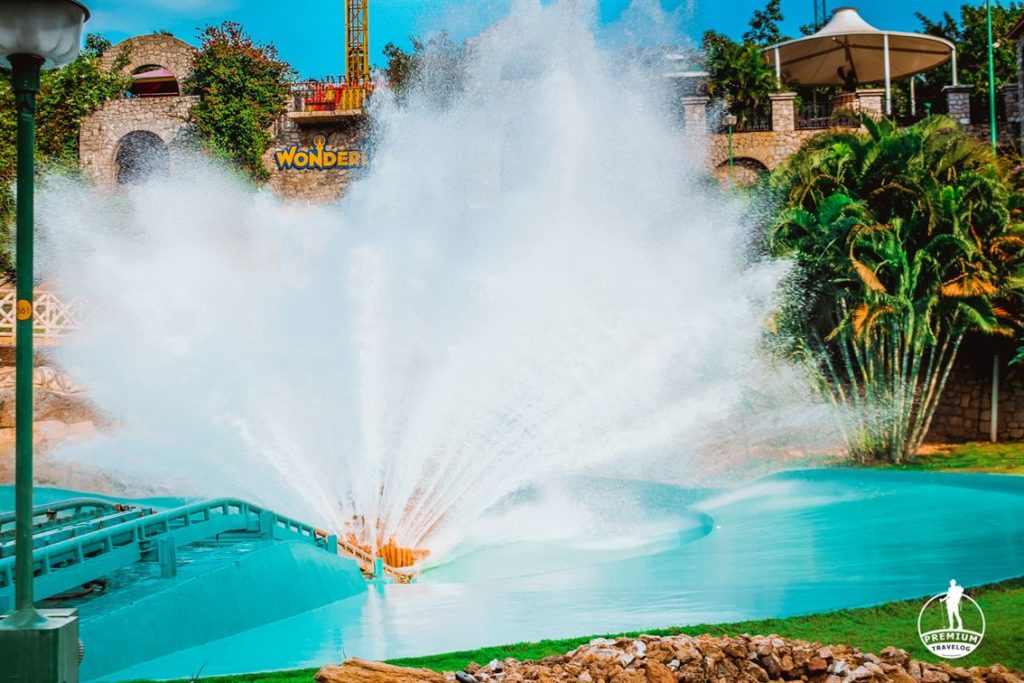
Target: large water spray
(534,280)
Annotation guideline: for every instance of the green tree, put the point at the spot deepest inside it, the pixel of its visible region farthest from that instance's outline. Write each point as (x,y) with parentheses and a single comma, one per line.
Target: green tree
(738,74)
(969,34)
(66,96)
(764,25)
(243,87)
(435,67)
(904,243)
(401,65)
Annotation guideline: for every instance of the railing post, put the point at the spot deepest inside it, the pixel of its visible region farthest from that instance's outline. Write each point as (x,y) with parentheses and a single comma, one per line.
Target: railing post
(267,519)
(783,111)
(167,555)
(958,101)
(1011,101)
(870,101)
(695,114)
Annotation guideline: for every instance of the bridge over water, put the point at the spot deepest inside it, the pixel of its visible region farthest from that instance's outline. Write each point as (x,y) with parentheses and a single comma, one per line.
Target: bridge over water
(176,574)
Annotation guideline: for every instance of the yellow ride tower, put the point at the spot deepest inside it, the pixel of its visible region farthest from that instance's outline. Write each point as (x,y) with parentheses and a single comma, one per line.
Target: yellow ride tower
(357,43)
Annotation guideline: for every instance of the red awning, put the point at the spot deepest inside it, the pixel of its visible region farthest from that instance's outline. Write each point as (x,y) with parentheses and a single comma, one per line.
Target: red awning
(160,74)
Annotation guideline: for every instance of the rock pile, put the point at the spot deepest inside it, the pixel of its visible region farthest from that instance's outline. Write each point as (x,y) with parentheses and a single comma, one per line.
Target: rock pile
(686,659)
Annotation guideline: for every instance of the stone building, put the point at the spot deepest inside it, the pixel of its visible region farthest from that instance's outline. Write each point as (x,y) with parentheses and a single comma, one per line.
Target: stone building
(147,131)
(139,134)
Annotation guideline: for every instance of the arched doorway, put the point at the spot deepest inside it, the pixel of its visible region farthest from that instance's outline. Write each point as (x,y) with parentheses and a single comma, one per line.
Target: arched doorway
(141,155)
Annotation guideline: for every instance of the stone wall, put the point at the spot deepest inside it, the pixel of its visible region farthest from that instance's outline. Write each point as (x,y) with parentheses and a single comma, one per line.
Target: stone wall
(103,130)
(964,411)
(309,184)
(167,51)
(166,117)
(767,149)
(770,148)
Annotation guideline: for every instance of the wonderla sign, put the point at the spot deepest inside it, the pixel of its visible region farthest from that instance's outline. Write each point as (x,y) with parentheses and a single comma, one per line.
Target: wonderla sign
(318,157)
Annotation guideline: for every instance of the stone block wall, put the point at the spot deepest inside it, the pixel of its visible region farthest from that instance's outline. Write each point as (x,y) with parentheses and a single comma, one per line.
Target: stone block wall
(695,116)
(871,102)
(316,186)
(964,411)
(783,111)
(103,130)
(958,101)
(769,148)
(153,49)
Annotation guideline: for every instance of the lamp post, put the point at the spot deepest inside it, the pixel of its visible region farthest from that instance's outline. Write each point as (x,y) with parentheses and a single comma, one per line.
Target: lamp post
(991,76)
(730,120)
(34,34)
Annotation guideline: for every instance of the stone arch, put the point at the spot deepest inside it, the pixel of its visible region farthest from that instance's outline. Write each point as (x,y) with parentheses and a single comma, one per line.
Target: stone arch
(140,155)
(165,51)
(746,170)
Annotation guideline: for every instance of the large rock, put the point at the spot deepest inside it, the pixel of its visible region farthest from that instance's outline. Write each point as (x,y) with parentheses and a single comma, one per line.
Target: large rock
(357,670)
(687,659)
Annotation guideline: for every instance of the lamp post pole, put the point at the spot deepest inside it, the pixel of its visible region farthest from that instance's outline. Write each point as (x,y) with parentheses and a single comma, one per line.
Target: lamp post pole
(35,645)
(991,76)
(730,120)
(732,168)
(25,82)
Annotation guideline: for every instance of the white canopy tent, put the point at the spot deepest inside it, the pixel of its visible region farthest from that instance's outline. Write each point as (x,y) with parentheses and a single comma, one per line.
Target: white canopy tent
(848,50)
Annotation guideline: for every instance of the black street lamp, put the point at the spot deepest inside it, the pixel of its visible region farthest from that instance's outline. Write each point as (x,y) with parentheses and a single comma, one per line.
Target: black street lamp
(34,34)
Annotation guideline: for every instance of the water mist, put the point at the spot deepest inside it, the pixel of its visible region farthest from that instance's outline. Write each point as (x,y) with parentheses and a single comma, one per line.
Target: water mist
(534,280)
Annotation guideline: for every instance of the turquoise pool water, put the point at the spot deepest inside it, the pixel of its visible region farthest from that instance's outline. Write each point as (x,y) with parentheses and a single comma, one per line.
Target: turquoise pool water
(795,542)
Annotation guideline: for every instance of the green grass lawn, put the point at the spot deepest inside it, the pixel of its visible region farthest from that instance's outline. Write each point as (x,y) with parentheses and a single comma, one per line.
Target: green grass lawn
(977,456)
(870,629)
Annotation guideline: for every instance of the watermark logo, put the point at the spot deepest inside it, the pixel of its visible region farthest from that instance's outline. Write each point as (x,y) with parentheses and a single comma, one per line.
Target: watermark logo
(951,624)
(319,158)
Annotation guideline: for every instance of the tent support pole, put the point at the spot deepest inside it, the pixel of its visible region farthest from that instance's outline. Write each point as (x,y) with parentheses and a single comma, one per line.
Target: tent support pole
(778,68)
(954,68)
(888,80)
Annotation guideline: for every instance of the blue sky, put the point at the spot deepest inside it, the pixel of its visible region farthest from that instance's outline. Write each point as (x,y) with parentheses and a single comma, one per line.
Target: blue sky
(309,33)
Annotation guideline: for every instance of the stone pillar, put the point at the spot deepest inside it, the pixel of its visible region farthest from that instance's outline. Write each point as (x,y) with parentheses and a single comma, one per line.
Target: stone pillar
(695,113)
(1011,101)
(958,101)
(783,111)
(871,101)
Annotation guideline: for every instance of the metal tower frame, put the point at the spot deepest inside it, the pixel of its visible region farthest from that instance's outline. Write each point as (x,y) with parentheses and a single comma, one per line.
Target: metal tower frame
(357,42)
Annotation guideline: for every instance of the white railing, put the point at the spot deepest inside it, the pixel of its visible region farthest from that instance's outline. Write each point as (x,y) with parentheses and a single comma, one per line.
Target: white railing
(54,317)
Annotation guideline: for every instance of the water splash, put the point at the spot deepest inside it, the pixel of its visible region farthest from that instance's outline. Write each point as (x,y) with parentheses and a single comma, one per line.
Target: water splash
(534,280)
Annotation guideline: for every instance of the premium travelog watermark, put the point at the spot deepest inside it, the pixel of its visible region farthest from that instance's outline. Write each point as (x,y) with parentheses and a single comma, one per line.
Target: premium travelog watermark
(951,624)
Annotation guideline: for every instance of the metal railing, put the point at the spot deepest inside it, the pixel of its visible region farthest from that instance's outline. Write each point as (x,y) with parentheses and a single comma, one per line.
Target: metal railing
(752,121)
(53,317)
(822,115)
(67,558)
(329,94)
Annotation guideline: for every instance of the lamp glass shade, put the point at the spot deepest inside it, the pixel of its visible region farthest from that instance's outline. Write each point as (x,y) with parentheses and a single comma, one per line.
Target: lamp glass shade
(729,119)
(51,29)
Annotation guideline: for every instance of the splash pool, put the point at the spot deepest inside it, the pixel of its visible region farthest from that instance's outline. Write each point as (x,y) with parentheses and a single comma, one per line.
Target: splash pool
(795,542)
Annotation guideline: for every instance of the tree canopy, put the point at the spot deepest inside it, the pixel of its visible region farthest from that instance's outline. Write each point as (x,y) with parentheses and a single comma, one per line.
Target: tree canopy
(764,25)
(970,35)
(243,87)
(66,96)
(904,241)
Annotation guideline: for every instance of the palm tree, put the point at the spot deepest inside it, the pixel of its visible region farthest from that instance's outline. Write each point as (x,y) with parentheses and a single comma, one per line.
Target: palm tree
(903,243)
(738,74)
